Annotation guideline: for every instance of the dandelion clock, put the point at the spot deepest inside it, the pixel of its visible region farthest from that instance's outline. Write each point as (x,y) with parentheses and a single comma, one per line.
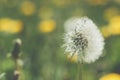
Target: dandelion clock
(83,38)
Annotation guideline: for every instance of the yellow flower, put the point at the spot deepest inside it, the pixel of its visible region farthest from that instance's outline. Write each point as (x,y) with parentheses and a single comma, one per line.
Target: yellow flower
(47,26)
(27,8)
(113,28)
(111,76)
(10,26)
(73,59)
(114,25)
(111,12)
(105,31)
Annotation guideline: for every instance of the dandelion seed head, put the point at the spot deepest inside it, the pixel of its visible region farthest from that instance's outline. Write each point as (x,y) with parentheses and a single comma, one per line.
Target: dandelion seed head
(82,38)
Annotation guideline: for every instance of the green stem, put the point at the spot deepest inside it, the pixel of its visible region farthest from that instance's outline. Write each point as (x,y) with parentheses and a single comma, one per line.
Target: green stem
(80,71)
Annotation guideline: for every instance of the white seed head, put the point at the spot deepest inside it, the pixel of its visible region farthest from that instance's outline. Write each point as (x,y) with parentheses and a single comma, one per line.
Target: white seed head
(83,38)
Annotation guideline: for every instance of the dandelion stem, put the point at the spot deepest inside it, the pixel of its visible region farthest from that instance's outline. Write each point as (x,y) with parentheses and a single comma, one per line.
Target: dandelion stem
(80,71)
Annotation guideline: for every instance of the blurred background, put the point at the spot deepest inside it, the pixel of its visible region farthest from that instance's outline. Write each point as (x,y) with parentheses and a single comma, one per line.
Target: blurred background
(40,26)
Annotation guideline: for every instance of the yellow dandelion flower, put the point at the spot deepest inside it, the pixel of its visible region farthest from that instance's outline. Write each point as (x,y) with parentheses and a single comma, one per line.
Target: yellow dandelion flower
(10,26)
(45,12)
(27,8)
(114,25)
(47,26)
(73,59)
(105,31)
(111,76)
(111,12)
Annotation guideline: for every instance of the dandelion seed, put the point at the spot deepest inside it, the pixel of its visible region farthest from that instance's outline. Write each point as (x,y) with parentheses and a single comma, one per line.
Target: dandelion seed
(82,38)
